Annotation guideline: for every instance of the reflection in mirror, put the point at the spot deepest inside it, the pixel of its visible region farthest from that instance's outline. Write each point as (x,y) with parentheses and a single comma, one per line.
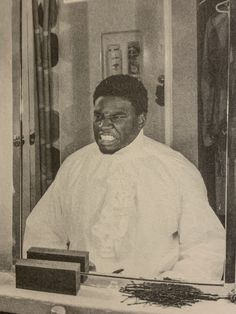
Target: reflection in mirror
(135,204)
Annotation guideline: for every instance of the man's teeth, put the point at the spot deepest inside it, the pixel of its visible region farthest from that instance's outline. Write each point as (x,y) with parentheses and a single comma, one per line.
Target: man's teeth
(107,137)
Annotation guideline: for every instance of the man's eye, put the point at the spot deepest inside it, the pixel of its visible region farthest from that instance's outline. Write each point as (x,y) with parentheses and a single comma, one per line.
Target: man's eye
(97,117)
(117,118)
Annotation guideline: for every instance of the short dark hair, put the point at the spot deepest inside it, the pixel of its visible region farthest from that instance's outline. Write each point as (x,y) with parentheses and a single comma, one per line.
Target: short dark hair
(124,86)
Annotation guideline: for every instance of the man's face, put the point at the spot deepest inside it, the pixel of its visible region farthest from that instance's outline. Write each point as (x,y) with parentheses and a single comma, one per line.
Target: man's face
(115,123)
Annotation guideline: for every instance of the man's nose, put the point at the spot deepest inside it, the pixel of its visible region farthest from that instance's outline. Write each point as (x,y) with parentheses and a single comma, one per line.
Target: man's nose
(105,123)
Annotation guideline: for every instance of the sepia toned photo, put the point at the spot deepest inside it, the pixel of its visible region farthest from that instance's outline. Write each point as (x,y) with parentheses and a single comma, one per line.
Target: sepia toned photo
(118,158)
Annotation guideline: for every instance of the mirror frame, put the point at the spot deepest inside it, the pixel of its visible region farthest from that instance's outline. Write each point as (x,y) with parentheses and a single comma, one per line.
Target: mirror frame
(231,178)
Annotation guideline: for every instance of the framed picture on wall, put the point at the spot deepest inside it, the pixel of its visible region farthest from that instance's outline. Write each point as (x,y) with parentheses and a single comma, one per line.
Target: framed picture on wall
(122,53)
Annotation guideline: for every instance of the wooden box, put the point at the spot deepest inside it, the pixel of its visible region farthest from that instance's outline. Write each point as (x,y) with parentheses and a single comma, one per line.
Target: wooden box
(72,256)
(48,276)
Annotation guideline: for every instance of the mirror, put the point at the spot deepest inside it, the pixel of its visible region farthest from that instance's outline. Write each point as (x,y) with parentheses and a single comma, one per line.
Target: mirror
(161,43)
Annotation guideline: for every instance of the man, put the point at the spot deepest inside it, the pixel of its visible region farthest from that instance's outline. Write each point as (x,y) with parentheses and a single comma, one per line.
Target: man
(132,202)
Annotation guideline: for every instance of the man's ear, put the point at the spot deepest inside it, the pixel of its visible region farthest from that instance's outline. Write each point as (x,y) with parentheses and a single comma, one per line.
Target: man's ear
(142,119)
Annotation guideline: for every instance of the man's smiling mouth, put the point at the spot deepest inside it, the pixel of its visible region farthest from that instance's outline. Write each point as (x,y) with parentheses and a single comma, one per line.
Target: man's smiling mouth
(107,139)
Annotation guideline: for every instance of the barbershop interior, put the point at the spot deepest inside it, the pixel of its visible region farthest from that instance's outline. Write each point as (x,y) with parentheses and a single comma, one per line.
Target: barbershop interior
(53,54)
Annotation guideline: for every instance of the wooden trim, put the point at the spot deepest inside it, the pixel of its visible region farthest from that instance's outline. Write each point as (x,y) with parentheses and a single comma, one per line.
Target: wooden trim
(25,105)
(17,151)
(231,162)
(168,72)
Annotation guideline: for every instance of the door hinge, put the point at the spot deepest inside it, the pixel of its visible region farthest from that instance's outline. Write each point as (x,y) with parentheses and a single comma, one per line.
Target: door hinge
(32,138)
(18,140)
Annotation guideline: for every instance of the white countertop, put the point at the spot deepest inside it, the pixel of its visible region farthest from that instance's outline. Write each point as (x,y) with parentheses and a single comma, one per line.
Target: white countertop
(97,299)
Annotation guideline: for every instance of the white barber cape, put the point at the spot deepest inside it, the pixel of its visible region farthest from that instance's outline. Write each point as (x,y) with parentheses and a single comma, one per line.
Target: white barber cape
(143,209)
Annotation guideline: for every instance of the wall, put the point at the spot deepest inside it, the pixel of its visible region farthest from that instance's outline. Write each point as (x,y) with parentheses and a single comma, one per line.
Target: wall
(6,126)
(149,20)
(185,106)
(72,78)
